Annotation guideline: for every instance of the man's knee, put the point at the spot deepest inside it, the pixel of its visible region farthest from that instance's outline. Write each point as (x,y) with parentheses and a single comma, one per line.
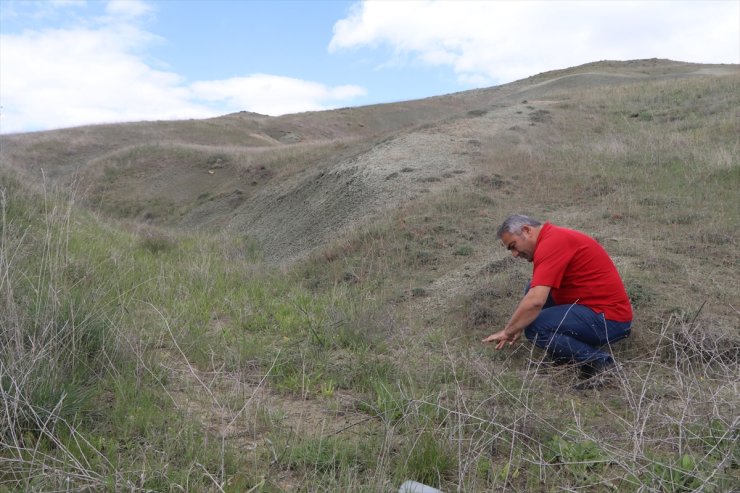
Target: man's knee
(547,324)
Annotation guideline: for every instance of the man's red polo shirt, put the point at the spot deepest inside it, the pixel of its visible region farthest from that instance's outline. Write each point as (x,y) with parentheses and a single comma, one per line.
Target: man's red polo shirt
(578,270)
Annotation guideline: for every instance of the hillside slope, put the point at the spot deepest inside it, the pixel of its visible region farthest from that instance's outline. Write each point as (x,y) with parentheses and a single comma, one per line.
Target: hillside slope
(295,181)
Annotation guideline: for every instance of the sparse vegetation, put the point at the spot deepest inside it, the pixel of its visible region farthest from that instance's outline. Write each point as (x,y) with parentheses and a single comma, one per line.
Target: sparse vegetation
(146,357)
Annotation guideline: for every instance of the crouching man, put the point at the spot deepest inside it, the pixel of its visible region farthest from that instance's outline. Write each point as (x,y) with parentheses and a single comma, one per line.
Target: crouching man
(575,304)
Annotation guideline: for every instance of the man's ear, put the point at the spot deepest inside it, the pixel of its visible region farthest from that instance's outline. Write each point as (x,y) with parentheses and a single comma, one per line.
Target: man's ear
(527,229)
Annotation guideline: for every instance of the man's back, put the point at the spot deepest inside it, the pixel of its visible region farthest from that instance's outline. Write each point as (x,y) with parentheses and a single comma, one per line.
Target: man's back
(579,270)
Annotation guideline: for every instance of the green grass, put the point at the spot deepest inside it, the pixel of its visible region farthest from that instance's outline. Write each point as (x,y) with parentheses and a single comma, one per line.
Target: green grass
(143,358)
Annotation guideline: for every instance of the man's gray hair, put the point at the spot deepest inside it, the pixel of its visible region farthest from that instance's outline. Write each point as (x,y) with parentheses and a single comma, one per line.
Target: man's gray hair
(514,223)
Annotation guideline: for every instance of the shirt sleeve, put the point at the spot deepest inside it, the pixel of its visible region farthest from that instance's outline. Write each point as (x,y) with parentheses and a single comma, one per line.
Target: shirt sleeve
(550,262)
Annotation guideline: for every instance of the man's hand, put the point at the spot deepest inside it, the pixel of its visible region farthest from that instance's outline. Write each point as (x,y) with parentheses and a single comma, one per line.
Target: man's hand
(501,338)
(525,313)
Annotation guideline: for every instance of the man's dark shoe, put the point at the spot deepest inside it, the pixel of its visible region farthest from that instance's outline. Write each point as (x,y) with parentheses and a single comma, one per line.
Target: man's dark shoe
(595,376)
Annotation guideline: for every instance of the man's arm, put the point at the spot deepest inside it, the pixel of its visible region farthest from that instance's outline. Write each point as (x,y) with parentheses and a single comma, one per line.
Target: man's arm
(525,313)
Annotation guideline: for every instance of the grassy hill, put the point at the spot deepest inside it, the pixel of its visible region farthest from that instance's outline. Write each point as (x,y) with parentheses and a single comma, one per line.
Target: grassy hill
(253,303)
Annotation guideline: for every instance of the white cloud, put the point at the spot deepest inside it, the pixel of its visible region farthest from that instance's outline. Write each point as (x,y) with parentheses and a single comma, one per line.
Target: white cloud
(60,78)
(57,78)
(501,41)
(273,95)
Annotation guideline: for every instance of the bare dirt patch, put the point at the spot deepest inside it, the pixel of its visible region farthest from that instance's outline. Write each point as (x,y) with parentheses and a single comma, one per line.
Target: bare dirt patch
(293,218)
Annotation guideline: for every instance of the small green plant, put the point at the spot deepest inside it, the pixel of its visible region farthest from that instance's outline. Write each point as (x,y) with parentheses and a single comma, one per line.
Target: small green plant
(418,292)
(327,388)
(322,455)
(640,294)
(387,403)
(464,250)
(426,458)
(579,457)
(677,475)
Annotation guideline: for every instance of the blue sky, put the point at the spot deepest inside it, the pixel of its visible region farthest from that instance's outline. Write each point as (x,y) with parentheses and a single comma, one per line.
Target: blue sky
(73,62)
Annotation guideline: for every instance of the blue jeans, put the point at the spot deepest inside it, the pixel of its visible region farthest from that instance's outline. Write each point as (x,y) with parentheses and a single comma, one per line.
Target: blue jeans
(575,333)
